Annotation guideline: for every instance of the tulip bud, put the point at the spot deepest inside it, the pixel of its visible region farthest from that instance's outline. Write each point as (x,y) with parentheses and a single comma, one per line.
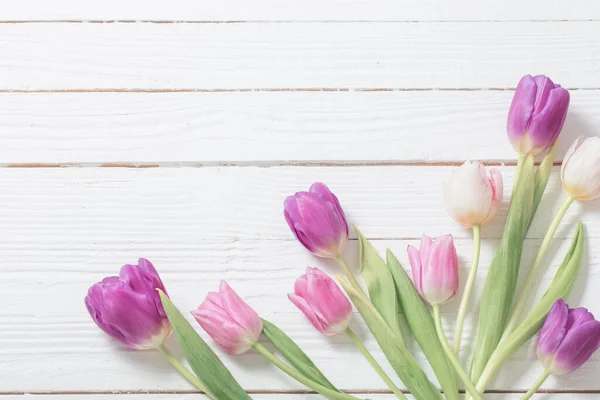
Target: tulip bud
(229,320)
(471,195)
(580,172)
(435,269)
(322,301)
(568,338)
(537,114)
(128,307)
(317,220)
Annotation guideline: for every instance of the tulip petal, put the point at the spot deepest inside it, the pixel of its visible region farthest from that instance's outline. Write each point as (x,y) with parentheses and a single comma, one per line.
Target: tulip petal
(239,312)
(307,311)
(521,109)
(546,125)
(414,258)
(553,331)
(577,347)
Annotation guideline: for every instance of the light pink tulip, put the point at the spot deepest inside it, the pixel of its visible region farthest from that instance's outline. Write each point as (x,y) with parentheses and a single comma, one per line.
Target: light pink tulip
(471,195)
(229,320)
(435,269)
(322,301)
(580,170)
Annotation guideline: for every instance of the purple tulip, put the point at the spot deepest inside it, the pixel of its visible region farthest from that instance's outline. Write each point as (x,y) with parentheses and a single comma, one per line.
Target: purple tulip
(322,301)
(317,220)
(568,338)
(128,307)
(435,269)
(537,114)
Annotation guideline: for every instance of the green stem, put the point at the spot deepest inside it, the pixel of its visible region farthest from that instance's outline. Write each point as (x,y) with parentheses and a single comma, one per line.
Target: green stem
(390,384)
(450,354)
(532,274)
(332,394)
(349,274)
(193,379)
(536,385)
(464,303)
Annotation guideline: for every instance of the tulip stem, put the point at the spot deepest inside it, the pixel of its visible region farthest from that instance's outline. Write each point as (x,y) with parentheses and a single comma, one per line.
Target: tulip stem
(536,385)
(464,303)
(193,379)
(390,384)
(349,274)
(332,394)
(451,355)
(531,275)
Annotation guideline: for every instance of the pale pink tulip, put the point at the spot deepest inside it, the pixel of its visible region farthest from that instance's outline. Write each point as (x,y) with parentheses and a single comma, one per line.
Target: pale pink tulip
(322,301)
(580,170)
(229,320)
(435,269)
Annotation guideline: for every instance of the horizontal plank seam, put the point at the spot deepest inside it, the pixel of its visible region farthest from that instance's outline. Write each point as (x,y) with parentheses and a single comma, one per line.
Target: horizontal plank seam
(223,90)
(260,164)
(284,21)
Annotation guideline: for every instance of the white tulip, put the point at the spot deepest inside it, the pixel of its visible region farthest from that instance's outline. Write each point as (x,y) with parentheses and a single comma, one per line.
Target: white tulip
(580,172)
(471,195)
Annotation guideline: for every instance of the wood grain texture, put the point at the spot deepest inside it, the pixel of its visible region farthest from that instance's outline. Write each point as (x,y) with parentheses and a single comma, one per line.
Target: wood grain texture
(64,229)
(266,128)
(50,56)
(277,396)
(295,10)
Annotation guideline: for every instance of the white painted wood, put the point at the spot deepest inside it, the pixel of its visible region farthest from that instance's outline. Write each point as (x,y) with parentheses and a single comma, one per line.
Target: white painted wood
(277,396)
(267,127)
(48,56)
(64,229)
(229,203)
(295,10)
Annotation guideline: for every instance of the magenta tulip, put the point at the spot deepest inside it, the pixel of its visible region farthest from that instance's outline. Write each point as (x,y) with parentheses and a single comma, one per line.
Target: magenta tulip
(128,307)
(435,269)
(317,220)
(568,338)
(537,114)
(322,301)
(229,320)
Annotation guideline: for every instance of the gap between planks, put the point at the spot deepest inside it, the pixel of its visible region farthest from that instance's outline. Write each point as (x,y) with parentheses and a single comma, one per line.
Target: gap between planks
(324,21)
(224,90)
(286,392)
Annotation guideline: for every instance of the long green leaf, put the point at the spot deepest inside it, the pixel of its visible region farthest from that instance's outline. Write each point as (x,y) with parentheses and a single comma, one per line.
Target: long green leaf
(560,287)
(422,327)
(294,354)
(401,360)
(204,362)
(501,280)
(379,282)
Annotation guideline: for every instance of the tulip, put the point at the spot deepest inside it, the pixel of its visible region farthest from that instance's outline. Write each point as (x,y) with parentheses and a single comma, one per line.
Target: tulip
(322,301)
(472,196)
(568,338)
(317,220)
(128,307)
(580,172)
(435,269)
(537,114)
(229,320)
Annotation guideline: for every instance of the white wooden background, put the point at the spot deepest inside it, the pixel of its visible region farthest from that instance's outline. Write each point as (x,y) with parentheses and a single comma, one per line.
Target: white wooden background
(174,130)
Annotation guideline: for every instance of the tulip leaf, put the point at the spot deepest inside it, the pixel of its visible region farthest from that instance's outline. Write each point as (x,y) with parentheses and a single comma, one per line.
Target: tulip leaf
(400,359)
(501,280)
(422,327)
(560,287)
(294,354)
(204,362)
(379,282)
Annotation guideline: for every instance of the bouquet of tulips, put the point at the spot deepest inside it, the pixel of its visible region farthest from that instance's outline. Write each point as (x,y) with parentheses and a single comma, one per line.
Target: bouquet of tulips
(134,308)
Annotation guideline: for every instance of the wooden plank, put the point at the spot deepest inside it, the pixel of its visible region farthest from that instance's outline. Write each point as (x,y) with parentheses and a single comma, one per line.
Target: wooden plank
(44,328)
(277,396)
(295,10)
(266,128)
(50,56)
(122,205)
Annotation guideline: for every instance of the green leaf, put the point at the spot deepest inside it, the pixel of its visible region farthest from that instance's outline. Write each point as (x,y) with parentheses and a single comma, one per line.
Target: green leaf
(401,360)
(422,327)
(501,280)
(542,174)
(204,362)
(379,282)
(294,354)
(560,287)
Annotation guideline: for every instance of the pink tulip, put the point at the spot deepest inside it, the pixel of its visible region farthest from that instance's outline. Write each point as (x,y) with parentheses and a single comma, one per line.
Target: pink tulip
(322,301)
(472,196)
(435,269)
(229,320)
